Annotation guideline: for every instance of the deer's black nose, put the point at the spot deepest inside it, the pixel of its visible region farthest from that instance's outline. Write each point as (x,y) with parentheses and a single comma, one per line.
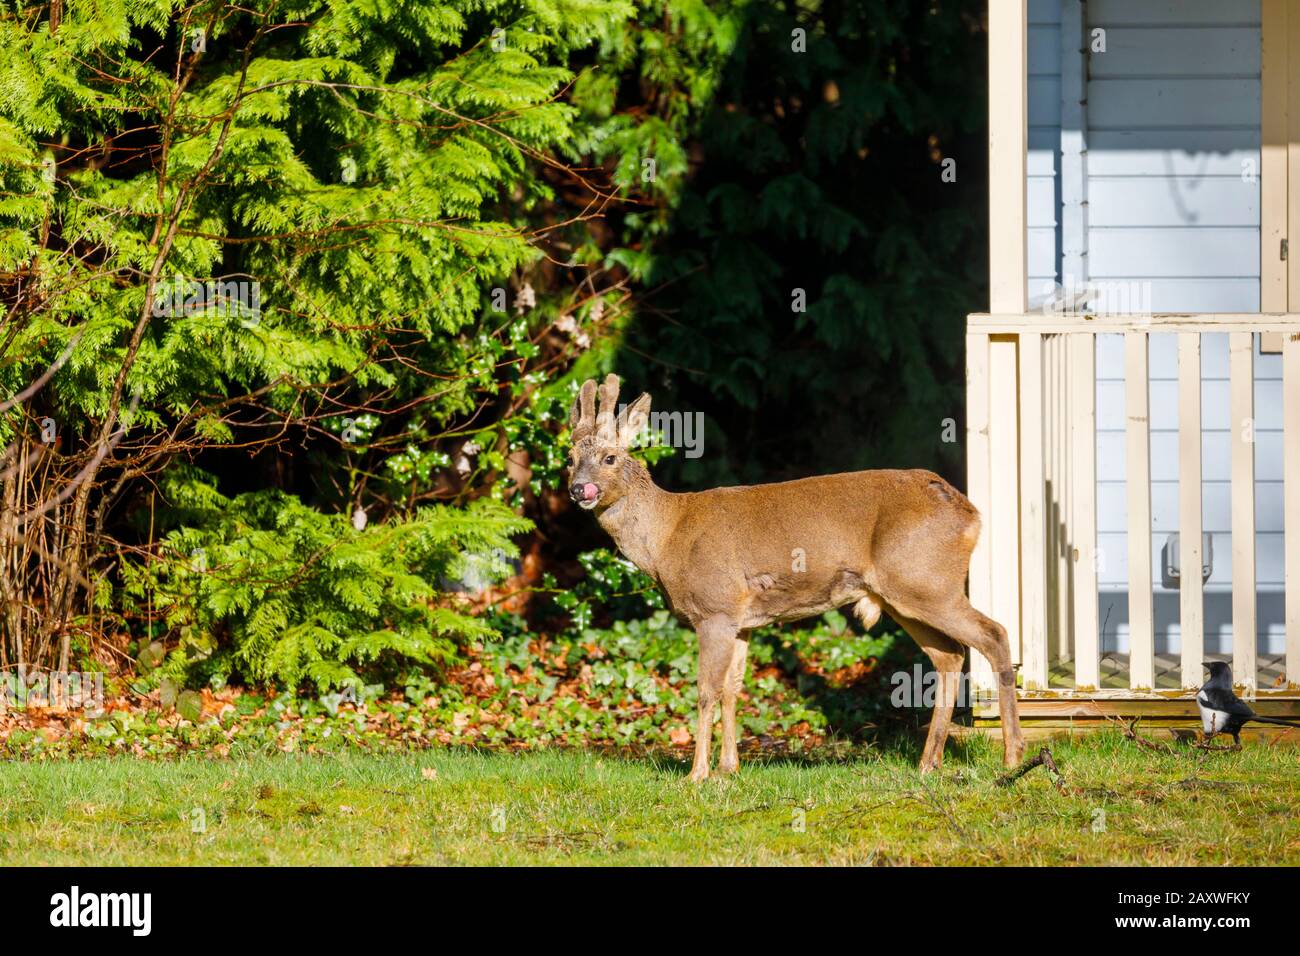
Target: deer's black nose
(584,491)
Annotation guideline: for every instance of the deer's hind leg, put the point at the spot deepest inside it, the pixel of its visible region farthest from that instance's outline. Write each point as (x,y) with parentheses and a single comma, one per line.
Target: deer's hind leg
(960,621)
(947,656)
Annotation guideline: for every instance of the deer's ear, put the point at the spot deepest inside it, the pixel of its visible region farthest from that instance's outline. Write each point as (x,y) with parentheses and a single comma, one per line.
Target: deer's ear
(633,420)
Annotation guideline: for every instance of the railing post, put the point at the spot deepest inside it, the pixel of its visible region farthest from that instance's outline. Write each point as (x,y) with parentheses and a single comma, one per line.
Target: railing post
(1003,517)
(1065,504)
(1083,491)
(1141,619)
(1241,386)
(978,486)
(1056,439)
(1033,517)
(1052,488)
(1191,613)
(1291,498)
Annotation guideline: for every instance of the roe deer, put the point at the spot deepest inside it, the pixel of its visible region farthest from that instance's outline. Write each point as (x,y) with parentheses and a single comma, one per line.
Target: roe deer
(731,559)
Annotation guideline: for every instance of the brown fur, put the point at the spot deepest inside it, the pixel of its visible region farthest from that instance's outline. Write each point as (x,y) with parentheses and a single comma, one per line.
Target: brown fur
(731,559)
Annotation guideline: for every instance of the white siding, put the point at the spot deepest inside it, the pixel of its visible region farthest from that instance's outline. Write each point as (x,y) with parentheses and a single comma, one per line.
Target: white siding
(1168,14)
(1173,117)
(1044,198)
(1173,218)
(1128,52)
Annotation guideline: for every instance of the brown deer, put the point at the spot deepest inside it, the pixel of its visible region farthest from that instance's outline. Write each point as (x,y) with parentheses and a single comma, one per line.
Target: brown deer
(732,559)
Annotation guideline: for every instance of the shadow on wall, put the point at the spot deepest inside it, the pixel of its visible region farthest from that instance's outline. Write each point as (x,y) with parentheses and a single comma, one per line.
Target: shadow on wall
(809,288)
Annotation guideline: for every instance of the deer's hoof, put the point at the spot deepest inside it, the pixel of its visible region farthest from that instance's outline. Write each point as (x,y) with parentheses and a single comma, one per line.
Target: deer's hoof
(698,775)
(725,767)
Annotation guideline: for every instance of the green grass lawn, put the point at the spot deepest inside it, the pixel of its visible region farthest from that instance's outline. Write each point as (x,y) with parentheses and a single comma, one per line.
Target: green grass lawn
(458,807)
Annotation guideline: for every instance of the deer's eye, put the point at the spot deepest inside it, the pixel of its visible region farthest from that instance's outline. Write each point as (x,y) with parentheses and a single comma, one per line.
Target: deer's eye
(609,459)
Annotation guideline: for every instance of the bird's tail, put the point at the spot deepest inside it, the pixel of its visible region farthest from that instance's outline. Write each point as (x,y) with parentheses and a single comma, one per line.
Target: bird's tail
(1277,720)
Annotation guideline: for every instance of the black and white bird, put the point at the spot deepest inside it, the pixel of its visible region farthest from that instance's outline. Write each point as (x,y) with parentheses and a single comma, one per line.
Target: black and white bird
(1222,711)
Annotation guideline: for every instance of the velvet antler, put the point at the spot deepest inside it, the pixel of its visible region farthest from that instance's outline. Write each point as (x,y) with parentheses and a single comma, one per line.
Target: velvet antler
(582,417)
(621,429)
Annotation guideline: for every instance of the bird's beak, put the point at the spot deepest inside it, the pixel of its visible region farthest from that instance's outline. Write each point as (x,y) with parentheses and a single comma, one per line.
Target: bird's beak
(1205,664)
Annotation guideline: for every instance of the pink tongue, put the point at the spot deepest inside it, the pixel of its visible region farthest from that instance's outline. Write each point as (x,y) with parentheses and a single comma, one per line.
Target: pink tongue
(589,492)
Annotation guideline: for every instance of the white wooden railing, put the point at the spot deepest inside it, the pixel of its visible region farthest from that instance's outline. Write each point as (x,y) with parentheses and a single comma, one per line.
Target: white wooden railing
(1031,456)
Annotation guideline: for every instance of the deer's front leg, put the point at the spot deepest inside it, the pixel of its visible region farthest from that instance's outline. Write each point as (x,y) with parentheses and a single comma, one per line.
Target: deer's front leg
(729,762)
(717,639)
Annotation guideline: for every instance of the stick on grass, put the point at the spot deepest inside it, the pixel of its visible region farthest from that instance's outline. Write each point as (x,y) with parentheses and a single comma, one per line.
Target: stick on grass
(1041,759)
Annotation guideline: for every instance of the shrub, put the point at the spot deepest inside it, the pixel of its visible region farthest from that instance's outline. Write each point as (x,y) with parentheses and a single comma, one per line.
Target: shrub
(264,587)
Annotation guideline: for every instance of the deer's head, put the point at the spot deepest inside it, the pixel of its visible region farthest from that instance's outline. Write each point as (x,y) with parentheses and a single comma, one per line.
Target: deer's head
(600,469)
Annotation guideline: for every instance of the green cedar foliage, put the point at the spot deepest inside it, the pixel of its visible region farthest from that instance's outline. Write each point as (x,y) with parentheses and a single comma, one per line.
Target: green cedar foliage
(372,167)
(265,589)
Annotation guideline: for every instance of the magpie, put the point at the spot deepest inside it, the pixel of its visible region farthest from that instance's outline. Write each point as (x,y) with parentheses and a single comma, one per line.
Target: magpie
(1222,711)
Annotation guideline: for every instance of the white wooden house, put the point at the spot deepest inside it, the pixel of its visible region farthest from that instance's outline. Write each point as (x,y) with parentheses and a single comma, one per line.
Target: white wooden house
(1133,397)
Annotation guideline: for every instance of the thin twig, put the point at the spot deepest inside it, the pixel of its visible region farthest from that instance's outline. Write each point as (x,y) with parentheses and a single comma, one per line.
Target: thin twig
(1041,759)
(1129,730)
